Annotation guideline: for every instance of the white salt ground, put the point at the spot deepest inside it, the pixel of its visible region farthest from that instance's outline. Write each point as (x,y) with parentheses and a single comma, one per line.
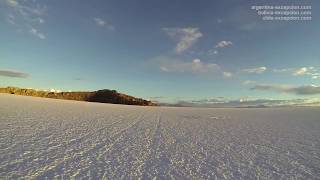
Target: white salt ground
(67,139)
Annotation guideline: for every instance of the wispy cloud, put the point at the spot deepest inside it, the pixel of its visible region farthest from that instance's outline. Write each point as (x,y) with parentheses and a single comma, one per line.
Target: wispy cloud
(185,37)
(310,71)
(36,33)
(194,66)
(248,82)
(11,19)
(227,74)
(298,90)
(256,70)
(223,44)
(220,45)
(213,51)
(102,23)
(25,15)
(13,73)
(12,3)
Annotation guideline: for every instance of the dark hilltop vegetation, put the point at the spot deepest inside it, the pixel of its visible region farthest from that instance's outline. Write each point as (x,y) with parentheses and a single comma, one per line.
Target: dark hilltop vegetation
(101,96)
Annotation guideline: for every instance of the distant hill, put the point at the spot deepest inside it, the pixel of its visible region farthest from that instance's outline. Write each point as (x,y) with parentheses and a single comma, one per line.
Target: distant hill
(102,96)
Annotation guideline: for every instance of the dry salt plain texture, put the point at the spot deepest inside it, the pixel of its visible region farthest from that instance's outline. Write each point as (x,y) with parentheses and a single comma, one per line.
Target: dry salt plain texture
(66,139)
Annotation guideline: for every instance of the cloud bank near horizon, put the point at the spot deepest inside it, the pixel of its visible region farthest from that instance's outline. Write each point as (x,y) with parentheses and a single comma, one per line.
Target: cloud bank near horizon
(13,73)
(245,103)
(298,90)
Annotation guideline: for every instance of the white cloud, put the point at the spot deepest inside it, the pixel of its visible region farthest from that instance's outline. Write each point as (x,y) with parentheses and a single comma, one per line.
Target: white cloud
(301,71)
(36,33)
(55,90)
(299,90)
(223,44)
(102,23)
(186,37)
(194,66)
(248,82)
(40,20)
(283,70)
(227,74)
(213,52)
(99,22)
(311,71)
(257,70)
(12,3)
(219,45)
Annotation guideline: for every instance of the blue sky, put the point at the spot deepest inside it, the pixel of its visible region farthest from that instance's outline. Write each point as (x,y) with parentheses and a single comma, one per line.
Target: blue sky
(167,51)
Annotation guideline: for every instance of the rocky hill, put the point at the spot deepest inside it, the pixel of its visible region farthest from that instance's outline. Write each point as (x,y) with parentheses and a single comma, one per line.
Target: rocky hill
(102,96)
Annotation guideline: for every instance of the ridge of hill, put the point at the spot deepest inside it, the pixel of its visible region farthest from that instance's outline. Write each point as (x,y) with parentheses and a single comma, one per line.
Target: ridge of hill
(101,96)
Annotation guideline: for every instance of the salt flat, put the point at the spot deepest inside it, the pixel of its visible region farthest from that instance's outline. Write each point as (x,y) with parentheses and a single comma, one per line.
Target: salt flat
(67,139)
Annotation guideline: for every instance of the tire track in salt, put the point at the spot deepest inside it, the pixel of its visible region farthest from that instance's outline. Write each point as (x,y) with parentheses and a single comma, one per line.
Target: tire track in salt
(133,148)
(180,146)
(153,147)
(160,163)
(103,145)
